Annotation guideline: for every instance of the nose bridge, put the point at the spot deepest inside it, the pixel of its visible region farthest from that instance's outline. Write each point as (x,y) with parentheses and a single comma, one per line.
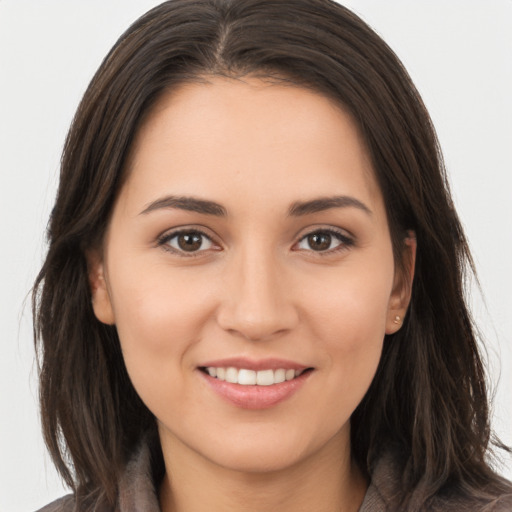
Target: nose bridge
(256,303)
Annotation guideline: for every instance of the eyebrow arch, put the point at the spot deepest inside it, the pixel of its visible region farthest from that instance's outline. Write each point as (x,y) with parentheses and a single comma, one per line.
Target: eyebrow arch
(321,204)
(191,204)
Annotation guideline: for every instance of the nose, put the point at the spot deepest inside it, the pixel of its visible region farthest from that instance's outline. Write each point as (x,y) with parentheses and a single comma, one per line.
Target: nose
(257,302)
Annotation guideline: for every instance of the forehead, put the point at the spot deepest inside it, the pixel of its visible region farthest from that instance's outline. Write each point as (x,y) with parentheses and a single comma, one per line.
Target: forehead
(244,133)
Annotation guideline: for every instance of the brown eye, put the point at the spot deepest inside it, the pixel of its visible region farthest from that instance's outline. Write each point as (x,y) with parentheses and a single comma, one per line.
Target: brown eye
(189,241)
(324,241)
(319,241)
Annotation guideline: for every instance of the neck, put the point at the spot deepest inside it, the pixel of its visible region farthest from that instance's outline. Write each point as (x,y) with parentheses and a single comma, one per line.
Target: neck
(326,481)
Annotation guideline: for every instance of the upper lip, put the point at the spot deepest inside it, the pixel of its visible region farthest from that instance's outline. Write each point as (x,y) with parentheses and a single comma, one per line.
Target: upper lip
(254,364)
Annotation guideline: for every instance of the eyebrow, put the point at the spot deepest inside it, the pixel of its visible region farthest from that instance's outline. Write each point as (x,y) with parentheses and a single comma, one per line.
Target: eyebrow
(321,204)
(297,209)
(191,204)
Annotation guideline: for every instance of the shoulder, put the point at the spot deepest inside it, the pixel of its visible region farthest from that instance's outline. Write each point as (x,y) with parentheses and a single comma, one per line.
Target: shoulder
(495,496)
(64,504)
(462,503)
(68,504)
(386,493)
(137,489)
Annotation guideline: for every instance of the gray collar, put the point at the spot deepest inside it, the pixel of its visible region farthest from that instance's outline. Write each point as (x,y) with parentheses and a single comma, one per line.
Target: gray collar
(137,490)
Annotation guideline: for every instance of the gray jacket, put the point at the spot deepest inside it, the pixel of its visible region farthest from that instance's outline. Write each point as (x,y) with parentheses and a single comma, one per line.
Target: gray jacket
(137,492)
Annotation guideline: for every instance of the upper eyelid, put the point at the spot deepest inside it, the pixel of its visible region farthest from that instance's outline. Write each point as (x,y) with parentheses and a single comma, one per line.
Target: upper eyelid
(324,229)
(163,239)
(346,241)
(171,233)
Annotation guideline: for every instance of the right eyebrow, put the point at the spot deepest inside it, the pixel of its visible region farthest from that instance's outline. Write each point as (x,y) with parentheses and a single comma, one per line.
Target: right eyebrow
(321,204)
(191,204)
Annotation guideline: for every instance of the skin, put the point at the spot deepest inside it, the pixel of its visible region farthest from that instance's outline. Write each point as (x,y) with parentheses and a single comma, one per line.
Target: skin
(257,287)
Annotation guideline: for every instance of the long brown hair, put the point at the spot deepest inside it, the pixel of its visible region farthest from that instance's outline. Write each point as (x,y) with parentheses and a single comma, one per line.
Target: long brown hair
(428,400)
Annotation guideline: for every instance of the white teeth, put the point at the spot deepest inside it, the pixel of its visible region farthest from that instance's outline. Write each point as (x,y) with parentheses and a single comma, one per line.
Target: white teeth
(250,377)
(265,378)
(279,376)
(247,377)
(232,375)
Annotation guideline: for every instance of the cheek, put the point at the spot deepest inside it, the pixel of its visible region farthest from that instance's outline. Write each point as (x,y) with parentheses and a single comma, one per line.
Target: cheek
(159,317)
(351,307)
(156,306)
(348,321)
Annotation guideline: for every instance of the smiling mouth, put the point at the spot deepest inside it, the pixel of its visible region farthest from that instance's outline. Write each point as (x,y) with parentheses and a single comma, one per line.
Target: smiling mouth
(247,377)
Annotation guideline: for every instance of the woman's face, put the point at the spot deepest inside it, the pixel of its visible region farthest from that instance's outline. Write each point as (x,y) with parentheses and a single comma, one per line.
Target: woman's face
(250,241)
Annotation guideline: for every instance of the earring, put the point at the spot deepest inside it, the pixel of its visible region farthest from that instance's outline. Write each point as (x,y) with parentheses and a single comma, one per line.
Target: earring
(397,320)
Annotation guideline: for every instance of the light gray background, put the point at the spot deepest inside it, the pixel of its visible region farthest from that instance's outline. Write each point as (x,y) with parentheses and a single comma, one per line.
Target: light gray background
(459,53)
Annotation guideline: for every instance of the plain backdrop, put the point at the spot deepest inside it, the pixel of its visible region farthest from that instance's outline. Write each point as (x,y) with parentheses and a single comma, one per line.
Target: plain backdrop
(459,53)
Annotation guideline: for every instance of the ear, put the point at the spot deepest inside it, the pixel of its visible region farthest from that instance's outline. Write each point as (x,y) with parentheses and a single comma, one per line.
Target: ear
(101,302)
(402,286)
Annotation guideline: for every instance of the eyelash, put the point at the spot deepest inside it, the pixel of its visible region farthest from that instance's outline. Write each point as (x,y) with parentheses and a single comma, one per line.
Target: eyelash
(345,241)
(163,241)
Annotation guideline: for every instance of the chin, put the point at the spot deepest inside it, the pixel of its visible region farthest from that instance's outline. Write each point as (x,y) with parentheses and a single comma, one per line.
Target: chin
(269,448)
(254,458)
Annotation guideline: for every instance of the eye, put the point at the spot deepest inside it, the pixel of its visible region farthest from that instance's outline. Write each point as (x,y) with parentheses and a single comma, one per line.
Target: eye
(191,241)
(324,241)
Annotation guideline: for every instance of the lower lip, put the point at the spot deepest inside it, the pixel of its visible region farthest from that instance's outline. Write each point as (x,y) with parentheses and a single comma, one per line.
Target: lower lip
(256,397)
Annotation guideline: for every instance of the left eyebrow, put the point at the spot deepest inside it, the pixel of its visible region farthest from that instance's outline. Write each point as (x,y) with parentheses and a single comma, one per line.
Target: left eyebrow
(321,204)
(191,204)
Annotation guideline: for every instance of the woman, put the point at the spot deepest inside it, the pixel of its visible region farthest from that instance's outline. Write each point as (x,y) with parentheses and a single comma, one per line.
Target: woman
(266,267)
